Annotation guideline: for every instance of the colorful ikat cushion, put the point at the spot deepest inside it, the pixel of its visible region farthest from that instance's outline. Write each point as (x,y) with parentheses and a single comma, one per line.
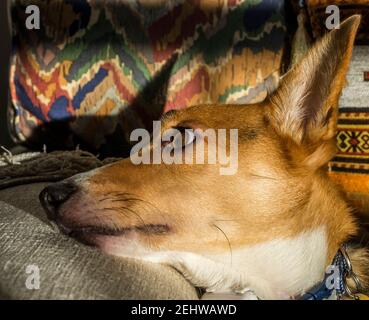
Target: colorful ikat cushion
(96,69)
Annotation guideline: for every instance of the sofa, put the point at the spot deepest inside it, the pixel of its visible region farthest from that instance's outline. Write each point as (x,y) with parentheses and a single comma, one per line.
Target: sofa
(68,269)
(95,71)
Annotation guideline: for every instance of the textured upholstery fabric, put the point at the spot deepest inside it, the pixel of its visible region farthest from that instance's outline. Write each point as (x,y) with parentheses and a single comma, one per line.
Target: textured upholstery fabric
(69,270)
(102,63)
(350,167)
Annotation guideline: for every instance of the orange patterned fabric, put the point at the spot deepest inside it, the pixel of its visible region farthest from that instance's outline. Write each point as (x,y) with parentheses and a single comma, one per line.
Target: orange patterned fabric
(98,65)
(350,167)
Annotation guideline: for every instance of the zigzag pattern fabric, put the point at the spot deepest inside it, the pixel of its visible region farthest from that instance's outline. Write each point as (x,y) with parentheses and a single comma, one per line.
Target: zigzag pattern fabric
(97,63)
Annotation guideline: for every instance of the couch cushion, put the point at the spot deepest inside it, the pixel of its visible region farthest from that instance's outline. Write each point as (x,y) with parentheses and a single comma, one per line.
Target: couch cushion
(68,269)
(95,64)
(350,166)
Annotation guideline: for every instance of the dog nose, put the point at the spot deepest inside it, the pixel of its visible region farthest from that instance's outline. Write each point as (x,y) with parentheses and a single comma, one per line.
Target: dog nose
(54,195)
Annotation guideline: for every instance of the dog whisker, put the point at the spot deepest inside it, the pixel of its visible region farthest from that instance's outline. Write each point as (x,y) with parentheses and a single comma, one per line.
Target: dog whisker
(126,200)
(229,242)
(120,197)
(145,226)
(149,204)
(262,177)
(229,220)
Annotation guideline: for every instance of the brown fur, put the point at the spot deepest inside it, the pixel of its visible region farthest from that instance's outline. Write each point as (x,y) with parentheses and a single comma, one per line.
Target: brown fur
(280,189)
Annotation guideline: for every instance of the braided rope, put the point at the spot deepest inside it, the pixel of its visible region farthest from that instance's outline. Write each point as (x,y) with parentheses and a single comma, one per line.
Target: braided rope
(47,167)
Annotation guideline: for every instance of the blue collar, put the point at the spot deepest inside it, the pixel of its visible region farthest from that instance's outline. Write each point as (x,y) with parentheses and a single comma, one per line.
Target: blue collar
(334,285)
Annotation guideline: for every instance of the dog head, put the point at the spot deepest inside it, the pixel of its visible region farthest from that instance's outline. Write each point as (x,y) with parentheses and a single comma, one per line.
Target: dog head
(278,191)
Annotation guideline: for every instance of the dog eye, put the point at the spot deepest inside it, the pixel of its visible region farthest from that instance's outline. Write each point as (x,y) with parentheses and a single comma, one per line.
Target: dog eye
(184,138)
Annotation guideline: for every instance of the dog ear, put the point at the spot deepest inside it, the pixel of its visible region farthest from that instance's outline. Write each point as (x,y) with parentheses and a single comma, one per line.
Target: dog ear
(305,106)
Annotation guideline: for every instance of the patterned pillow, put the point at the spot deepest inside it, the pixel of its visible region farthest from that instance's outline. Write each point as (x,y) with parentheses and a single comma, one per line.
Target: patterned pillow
(96,69)
(350,167)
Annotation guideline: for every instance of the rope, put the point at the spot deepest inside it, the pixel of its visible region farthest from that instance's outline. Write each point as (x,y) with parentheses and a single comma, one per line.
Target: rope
(47,167)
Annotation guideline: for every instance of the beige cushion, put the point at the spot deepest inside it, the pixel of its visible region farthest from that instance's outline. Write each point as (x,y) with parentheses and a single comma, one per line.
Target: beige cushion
(68,269)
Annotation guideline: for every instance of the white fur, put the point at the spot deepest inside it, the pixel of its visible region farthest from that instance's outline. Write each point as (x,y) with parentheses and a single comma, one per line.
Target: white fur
(284,268)
(82,178)
(277,269)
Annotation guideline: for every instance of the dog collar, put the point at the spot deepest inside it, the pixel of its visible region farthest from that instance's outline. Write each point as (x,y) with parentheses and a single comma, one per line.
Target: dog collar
(334,285)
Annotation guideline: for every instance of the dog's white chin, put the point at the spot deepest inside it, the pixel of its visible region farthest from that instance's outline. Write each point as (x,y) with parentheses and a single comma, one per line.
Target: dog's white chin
(278,269)
(217,278)
(127,246)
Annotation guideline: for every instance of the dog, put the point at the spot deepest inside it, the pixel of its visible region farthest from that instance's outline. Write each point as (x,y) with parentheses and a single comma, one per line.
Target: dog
(273,227)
